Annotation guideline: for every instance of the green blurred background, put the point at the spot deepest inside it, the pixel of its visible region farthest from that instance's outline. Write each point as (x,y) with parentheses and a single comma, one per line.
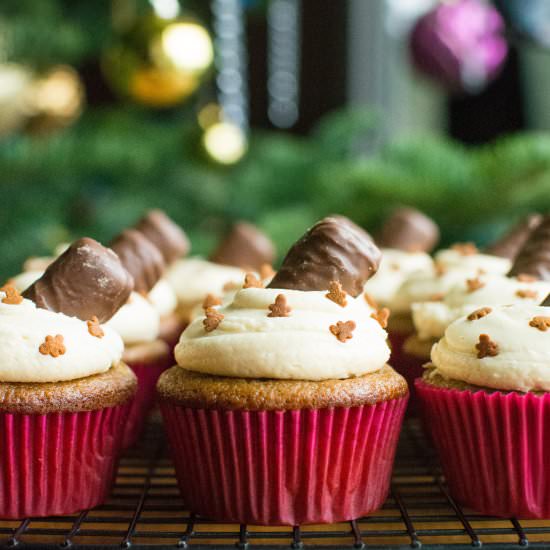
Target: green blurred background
(100,120)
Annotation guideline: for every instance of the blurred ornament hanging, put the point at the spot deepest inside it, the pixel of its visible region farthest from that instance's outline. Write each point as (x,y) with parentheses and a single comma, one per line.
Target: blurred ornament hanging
(161,59)
(460,44)
(54,100)
(529,18)
(39,103)
(223,141)
(283,62)
(225,124)
(14,83)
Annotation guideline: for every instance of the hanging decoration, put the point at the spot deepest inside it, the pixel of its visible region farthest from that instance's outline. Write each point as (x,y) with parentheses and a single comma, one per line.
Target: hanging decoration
(161,60)
(39,102)
(15,80)
(460,44)
(225,124)
(54,100)
(283,61)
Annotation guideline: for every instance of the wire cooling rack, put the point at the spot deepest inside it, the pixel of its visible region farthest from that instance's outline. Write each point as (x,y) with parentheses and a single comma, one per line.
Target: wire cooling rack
(145,511)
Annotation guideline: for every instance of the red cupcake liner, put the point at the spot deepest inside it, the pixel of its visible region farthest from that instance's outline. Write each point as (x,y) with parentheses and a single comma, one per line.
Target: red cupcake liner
(58,463)
(494,448)
(284,467)
(144,399)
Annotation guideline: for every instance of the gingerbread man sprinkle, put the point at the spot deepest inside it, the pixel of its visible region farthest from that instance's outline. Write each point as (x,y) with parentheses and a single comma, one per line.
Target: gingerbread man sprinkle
(266,271)
(212,320)
(486,347)
(479,313)
(437,297)
(279,308)
(526,293)
(370,300)
(440,270)
(474,284)
(343,330)
(540,322)
(251,281)
(465,249)
(382,316)
(94,328)
(336,294)
(12,295)
(210,301)
(53,345)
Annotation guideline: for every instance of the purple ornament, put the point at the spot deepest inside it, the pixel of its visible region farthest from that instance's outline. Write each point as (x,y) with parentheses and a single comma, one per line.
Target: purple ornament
(460,44)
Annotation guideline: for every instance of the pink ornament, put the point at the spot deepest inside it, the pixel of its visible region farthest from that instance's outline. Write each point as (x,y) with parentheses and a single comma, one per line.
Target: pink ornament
(460,44)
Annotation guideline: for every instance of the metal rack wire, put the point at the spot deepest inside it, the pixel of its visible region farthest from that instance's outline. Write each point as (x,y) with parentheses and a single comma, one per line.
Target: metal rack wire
(145,511)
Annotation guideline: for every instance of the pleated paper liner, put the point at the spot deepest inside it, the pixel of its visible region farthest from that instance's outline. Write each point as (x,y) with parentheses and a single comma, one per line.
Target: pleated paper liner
(494,448)
(284,467)
(58,463)
(144,400)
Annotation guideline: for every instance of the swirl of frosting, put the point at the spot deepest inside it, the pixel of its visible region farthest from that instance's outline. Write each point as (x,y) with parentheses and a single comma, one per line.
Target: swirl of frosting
(192,279)
(248,343)
(136,321)
(23,329)
(395,267)
(424,287)
(451,258)
(523,359)
(432,318)
(163,298)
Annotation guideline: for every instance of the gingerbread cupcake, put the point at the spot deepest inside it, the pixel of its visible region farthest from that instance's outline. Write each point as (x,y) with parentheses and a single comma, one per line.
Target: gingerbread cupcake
(469,292)
(64,392)
(282,409)
(406,239)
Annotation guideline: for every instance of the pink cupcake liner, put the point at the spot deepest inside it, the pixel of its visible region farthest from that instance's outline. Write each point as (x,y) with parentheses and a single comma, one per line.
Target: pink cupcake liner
(284,467)
(144,399)
(58,463)
(494,448)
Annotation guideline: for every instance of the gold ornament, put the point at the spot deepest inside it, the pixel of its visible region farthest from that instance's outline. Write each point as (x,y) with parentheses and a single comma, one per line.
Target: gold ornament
(159,62)
(223,141)
(54,100)
(14,83)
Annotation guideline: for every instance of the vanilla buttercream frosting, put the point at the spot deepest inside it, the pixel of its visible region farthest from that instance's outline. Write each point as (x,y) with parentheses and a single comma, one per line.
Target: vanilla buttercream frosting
(523,359)
(24,328)
(136,321)
(432,318)
(194,278)
(395,267)
(163,298)
(452,258)
(249,344)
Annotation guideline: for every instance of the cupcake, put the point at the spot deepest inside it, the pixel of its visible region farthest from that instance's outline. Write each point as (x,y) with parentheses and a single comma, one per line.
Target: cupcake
(282,409)
(64,391)
(245,249)
(485,398)
(406,238)
(431,318)
(138,323)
